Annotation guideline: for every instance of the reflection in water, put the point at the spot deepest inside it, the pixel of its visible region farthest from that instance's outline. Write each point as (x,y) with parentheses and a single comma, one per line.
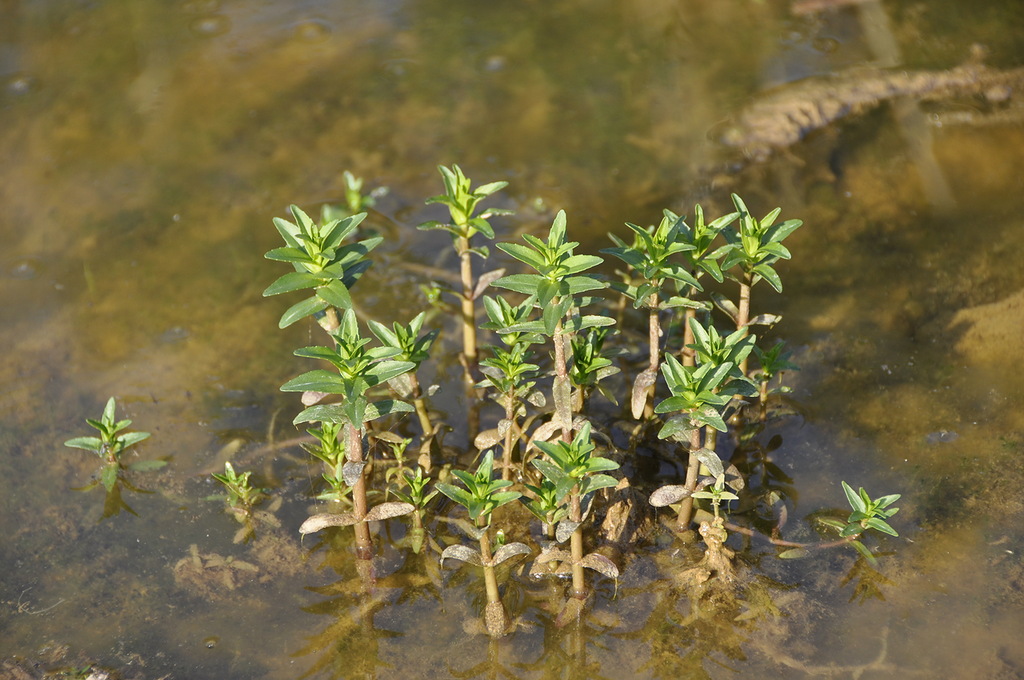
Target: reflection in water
(146,147)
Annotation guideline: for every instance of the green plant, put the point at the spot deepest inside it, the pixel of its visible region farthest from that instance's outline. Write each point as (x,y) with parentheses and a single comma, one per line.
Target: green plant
(110,446)
(590,363)
(465,223)
(696,402)
(559,278)
(756,245)
(716,493)
(413,347)
(511,377)
(330,450)
(481,496)
(242,496)
(323,262)
(651,258)
(357,370)
(867,514)
(416,495)
(773,363)
(576,474)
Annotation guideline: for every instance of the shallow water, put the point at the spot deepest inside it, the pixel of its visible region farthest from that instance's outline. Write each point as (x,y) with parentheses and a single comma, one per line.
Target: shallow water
(146,149)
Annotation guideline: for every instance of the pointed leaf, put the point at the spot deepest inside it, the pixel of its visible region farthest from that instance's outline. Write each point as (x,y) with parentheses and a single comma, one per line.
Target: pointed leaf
(335,293)
(292,281)
(508,551)
(711,461)
(668,495)
(388,510)
(322,521)
(600,564)
(461,553)
(301,310)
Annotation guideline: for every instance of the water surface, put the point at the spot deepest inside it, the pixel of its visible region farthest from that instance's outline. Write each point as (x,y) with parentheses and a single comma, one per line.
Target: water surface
(147,147)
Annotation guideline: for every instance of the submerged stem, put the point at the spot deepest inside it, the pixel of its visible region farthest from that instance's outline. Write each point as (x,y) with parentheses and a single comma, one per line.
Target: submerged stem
(354,453)
(692,471)
(579,584)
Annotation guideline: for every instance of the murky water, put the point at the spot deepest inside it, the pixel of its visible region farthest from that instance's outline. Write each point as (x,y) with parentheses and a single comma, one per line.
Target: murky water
(146,148)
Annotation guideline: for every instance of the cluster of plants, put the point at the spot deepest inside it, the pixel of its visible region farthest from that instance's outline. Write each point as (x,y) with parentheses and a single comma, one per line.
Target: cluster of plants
(541,343)
(539,347)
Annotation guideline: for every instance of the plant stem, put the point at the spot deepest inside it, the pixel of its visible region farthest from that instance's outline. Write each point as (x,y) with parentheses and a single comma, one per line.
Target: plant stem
(689,355)
(743,313)
(561,373)
(468,311)
(490,580)
(579,584)
(420,406)
(495,616)
(506,468)
(354,452)
(692,471)
(789,544)
(654,351)
(763,401)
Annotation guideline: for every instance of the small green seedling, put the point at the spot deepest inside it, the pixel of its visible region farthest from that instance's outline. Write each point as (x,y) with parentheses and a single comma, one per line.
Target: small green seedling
(716,493)
(110,445)
(558,280)
(414,347)
(330,450)
(416,495)
(867,514)
(242,496)
(465,223)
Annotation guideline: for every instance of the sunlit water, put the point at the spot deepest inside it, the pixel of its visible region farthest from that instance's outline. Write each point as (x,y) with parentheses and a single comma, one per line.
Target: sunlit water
(146,148)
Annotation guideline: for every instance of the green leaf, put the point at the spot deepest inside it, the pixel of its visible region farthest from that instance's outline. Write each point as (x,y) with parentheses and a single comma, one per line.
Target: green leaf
(292,281)
(132,438)
(147,465)
(287,254)
(323,413)
(318,380)
(855,501)
(490,188)
(769,275)
(881,525)
(526,284)
(864,551)
(386,370)
(335,293)
(385,407)
(92,444)
(301,310)
(109,476)
(524,254)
